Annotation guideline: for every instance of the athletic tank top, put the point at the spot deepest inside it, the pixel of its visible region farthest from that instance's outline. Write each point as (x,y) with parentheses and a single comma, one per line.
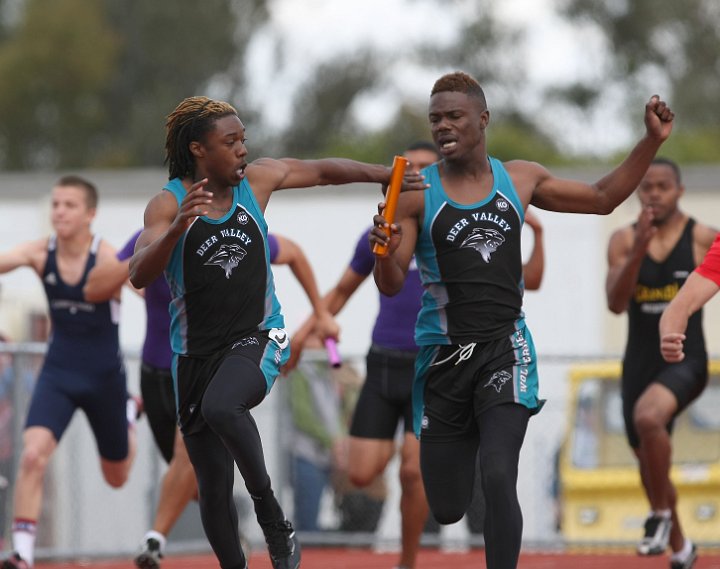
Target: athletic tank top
(220,278)
(657,285)
(83,335)
(470,263)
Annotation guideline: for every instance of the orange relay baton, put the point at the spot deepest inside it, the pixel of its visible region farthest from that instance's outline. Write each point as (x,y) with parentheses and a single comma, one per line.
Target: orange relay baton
(391,198)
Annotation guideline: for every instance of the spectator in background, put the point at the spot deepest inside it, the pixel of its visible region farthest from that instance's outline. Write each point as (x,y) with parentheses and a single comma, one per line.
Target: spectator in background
(7,387)
(315,409)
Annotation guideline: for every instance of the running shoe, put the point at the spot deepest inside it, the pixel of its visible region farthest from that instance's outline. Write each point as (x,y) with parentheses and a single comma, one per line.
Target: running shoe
(15,562)
(688,562)
(150,555)
(283,545)
(657,535)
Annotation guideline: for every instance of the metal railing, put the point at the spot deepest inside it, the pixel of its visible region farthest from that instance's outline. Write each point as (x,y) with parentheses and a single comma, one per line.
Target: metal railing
(83,517)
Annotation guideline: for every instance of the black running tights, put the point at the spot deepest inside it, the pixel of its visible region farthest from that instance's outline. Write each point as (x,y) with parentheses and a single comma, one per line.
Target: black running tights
(232,438)
(448,470)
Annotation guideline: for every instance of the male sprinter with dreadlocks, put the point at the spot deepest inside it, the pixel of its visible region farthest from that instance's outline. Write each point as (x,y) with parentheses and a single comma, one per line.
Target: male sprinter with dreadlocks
(207,231)
(178,486)
(476,382)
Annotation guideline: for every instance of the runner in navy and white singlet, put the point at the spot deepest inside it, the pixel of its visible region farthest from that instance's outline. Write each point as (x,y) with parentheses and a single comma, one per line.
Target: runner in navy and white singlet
(207,231)
(476,383)
(83,367)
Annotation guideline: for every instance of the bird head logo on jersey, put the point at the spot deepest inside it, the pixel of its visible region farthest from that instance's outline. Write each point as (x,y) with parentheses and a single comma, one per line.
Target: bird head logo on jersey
(485,241)
(227,258)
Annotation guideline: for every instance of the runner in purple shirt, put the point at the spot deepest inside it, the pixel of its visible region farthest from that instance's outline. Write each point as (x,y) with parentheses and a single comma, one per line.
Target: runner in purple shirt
(394,327)
(178,486)
(386,395)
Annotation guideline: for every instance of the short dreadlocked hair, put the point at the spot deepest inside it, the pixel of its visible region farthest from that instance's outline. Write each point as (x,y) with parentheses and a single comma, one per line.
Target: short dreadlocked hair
(459,82)
(192,119)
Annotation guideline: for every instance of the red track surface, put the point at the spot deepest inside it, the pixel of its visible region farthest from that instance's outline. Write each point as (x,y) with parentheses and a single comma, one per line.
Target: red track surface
(342,558)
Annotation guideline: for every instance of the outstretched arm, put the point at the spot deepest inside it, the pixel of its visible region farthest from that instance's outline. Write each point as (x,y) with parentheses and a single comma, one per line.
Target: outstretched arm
(606,194)
(691,297)
(337,298)
(29,254)
(267,175)
(334,302)
(290,253)
(702,284)
(535,267)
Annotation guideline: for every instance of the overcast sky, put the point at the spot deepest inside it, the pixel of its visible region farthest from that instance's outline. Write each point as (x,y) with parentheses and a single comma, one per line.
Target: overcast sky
(320,30)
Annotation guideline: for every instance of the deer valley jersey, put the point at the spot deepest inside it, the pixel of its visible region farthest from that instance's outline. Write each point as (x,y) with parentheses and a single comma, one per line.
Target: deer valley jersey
(470,263)
(220,278)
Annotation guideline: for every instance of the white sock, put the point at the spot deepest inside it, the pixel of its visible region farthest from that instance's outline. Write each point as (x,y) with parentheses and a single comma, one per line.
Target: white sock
(684,552)
(663,513)
(23,538)
(132,409)
(162,540)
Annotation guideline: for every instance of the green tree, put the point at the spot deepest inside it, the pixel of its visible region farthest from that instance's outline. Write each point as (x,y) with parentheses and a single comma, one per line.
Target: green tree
(322,107)
(58,75)
(324,123)
(170,50)
(486,49)
(92,82)
(661,42)
(410,124)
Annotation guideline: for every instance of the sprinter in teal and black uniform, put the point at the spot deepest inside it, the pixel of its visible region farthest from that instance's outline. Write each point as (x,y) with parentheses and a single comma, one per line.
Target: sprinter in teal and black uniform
(207,231)
(206,310)
(178,487)
(476,384)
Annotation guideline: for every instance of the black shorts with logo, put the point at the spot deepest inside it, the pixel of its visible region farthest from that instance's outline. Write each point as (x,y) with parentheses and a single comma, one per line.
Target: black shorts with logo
(454,384)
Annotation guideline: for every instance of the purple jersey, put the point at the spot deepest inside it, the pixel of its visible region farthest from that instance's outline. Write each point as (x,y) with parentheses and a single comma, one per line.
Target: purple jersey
(395,322)
(273,246)
(156,350)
